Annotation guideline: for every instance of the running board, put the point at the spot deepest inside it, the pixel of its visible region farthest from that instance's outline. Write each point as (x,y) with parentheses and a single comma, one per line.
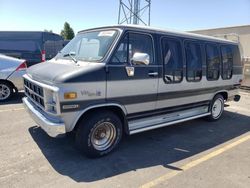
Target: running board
(150,123)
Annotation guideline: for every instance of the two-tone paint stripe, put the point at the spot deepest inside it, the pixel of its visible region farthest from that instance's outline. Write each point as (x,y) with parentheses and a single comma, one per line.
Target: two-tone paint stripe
(136,99)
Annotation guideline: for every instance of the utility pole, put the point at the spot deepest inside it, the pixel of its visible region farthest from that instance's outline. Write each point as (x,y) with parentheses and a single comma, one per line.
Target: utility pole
(134,12)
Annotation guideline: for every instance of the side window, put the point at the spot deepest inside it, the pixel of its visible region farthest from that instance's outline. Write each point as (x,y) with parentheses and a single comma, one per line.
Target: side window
(131,44)
(172,60)
(194,61)
(227,62)
(213,62)
(121,54)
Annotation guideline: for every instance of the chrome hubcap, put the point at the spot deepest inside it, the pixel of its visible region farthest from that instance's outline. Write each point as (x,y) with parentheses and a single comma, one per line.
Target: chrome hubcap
(103,136)
(217,108)
(4,92)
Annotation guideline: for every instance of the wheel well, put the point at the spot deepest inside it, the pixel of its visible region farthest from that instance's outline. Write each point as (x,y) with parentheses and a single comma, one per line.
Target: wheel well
(10,83)
(115,109)
(224,94)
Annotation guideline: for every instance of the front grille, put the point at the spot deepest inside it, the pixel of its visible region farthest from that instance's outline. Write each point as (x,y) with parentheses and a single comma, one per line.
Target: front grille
(34,92)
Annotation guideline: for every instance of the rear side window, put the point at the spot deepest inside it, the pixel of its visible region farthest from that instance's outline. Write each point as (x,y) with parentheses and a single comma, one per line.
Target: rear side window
(194,61)
(213,62)
(131,44)
(227,62)
(172,60)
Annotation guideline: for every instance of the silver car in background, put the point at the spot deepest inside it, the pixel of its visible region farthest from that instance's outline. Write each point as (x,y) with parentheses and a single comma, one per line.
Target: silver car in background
(11,72)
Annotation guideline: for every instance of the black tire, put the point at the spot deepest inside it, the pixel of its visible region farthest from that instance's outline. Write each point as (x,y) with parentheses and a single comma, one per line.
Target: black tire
(93,128)
(218,101)
(6,87)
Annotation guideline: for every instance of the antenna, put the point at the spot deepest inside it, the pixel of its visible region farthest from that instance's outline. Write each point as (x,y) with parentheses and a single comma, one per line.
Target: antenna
(134,12)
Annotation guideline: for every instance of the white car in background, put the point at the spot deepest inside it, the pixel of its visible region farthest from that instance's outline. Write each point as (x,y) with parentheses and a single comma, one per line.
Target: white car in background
(11,76)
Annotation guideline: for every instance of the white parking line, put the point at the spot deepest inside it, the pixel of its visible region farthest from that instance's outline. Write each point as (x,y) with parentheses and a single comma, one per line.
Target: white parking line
(196,162)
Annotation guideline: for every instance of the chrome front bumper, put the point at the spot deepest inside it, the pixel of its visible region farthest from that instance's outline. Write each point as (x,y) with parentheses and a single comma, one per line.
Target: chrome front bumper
(53,129)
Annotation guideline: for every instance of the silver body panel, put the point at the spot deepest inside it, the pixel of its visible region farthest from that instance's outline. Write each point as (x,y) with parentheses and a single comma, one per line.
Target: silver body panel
(17,79)
(166,118)
(184,86)
(127,88)
(167,123)
(8,66)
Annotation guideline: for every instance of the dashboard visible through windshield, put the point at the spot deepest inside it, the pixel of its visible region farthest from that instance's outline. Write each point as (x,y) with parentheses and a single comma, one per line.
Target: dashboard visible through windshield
(89,46)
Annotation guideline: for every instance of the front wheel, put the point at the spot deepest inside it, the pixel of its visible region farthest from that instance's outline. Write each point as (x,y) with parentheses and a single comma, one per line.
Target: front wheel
(6,91)
(99,134)
(216,108)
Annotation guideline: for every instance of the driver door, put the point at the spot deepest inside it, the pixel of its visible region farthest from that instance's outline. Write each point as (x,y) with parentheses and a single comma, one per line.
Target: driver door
(129,83)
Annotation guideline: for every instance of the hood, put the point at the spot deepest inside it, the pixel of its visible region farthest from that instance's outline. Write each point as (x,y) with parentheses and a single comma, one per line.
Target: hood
(51,72)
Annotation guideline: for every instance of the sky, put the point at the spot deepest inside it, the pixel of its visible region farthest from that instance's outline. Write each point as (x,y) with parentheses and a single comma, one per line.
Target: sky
(186,15)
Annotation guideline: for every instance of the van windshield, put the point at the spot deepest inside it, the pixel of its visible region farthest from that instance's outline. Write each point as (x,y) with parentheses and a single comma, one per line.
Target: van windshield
(89,46)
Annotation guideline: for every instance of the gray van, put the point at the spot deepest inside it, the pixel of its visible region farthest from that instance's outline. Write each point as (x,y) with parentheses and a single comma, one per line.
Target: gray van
(34,47)
(118,80)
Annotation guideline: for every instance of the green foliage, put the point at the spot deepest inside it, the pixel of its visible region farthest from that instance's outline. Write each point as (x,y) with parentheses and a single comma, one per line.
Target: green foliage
(67,33)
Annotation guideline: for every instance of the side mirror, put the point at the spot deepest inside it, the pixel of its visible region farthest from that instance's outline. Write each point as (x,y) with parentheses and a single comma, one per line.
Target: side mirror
(140,58)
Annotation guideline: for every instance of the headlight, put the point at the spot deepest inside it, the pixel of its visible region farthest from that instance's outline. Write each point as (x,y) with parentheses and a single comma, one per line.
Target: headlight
(51,101)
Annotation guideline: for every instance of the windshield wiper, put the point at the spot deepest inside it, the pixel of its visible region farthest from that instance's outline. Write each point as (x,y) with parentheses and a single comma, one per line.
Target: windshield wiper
(71,54)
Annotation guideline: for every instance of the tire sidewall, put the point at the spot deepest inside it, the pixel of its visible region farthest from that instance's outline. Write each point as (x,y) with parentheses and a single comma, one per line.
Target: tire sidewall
(87,129)
(220,97)
(116,141)
(11,91)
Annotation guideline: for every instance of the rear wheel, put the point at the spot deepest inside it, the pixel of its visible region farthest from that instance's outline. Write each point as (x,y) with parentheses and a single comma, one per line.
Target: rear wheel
(216,108)
(6,91)
(99,134)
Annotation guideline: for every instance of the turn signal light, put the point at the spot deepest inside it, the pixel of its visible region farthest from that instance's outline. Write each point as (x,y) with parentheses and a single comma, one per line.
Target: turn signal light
(70,95)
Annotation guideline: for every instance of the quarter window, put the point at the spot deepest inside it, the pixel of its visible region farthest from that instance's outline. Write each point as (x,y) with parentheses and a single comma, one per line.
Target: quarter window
(194,61)
(172,60)
(227,62)
(213,62)
(131,44)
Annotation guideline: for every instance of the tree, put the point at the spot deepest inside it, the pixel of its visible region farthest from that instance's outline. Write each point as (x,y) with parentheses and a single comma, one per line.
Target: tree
(67,33)
(50,31)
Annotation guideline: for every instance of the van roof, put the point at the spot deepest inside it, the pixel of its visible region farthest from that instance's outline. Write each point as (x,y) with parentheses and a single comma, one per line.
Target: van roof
(23,34)
(166,31)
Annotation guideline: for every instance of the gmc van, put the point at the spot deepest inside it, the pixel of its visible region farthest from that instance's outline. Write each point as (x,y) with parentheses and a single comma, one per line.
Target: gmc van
(118,80)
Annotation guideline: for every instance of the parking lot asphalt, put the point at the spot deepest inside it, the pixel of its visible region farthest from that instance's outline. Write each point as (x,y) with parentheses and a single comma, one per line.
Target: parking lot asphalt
(191,154)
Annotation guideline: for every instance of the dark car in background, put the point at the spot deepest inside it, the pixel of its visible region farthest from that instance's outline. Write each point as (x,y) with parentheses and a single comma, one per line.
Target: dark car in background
(33,46)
